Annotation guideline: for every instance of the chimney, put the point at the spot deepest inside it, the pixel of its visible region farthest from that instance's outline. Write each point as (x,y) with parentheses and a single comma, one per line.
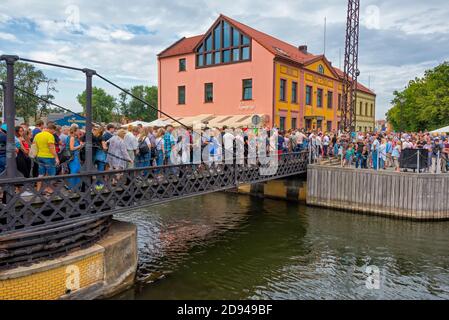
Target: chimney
(303,48)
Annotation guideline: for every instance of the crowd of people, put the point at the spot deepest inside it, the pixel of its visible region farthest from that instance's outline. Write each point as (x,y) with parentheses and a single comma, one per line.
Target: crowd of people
(50,150)
(382,151)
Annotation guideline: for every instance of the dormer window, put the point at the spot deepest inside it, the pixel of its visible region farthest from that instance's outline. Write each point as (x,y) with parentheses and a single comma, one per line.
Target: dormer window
(224,44)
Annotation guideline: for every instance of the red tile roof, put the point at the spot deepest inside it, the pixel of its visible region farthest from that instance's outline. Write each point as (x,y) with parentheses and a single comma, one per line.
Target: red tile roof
(277,47)
(183,46)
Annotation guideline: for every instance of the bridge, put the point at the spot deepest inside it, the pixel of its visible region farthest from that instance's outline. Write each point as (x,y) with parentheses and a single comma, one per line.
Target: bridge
(35,225)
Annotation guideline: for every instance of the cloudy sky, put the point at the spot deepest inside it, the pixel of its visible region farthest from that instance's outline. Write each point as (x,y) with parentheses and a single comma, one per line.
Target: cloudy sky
(398,39)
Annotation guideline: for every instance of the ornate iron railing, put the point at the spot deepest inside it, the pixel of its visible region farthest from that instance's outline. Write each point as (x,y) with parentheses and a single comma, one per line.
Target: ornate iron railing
(42,217)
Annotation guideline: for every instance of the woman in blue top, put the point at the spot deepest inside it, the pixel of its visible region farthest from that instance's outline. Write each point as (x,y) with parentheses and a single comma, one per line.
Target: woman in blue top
(74,164)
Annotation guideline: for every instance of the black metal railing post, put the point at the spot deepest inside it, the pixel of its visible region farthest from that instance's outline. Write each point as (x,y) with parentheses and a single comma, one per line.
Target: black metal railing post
(89,152)
(9,112)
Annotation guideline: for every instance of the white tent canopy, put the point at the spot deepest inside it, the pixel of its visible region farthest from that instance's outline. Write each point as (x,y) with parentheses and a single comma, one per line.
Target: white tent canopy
(442,130)
(158,123)
(137,123)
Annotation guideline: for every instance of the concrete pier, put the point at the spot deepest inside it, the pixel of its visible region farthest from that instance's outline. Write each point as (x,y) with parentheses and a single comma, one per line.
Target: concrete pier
(291,189)
(403,195)
(100,271)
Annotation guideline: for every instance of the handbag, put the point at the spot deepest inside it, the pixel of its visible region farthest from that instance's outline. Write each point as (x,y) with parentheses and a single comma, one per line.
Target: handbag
(33,151)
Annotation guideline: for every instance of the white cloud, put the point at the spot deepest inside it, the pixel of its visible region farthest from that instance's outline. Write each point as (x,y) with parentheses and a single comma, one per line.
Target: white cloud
(8,37)
(122,35)
(4,18)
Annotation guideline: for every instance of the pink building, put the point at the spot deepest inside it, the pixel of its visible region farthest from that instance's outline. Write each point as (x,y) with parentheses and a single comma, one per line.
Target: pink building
(223,72)
(234,69)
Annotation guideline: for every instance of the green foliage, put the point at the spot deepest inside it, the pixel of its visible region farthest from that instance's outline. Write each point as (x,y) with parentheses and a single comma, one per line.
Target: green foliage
(424,103)
(103,105)
(137,110)
(30,79)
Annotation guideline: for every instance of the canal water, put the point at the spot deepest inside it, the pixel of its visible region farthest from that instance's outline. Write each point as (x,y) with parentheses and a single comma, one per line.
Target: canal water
(230,246)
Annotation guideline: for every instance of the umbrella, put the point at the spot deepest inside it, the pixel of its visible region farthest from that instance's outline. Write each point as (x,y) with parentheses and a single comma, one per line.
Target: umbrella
(442,130)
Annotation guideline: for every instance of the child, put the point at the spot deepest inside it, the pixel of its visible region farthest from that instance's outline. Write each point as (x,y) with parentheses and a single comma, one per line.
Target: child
(349,156)
(365,155)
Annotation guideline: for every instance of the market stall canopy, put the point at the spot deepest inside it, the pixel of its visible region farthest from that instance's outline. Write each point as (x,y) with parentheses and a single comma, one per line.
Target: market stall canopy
(137,123)
(442,130)
(159,123)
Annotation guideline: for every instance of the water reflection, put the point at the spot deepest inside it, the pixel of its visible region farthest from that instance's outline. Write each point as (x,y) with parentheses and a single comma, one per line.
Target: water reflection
(227,246)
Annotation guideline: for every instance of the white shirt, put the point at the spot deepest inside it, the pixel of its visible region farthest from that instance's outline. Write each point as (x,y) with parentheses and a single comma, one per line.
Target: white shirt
(300,137)
(228,141)
(131,142)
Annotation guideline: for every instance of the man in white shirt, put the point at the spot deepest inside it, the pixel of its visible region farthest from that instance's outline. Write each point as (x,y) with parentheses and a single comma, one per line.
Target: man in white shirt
(228,142)
(132,143)
(300,139)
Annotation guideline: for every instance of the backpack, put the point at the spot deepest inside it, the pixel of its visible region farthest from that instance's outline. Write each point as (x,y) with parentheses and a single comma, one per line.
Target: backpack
(143,147)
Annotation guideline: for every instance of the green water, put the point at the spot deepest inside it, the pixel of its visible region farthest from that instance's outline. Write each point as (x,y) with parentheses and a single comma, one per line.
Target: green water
(228,246)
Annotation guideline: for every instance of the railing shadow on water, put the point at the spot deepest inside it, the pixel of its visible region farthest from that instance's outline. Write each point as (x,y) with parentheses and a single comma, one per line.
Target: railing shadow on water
(41,217)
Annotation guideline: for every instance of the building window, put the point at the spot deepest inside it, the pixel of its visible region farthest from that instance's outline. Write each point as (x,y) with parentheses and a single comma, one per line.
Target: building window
(294,92)
(294,122)
(309,95)
(319,98)
(339,101)
(366,109)
(283,89)
(361,108)
(330,98)
(372,110)
(247,89)
(329,126)
(200,60)
(208,92)
(319,124)
(224,44)
(182,65)
(282,123)
(182,95)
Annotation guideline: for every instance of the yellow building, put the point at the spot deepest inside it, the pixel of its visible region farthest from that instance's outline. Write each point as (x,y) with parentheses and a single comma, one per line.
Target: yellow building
(365,110)
(307,96)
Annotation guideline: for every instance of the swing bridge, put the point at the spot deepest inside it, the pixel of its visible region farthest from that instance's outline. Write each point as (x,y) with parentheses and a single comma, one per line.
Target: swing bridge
(36,225)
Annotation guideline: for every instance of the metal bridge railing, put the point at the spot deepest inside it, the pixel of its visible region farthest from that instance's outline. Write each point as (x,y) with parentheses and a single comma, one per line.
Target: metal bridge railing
(41,217)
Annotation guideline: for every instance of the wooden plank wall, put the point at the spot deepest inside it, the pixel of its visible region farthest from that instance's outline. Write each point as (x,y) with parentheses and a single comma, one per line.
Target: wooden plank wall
(423,197)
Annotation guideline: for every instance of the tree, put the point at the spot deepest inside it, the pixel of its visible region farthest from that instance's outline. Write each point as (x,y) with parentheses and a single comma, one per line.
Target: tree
(424,103)
(29,79)
(103,105)
(137,110)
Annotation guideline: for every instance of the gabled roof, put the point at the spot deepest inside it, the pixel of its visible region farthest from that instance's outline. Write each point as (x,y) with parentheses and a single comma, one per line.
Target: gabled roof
(360,86)
(326,62)
(277,47)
